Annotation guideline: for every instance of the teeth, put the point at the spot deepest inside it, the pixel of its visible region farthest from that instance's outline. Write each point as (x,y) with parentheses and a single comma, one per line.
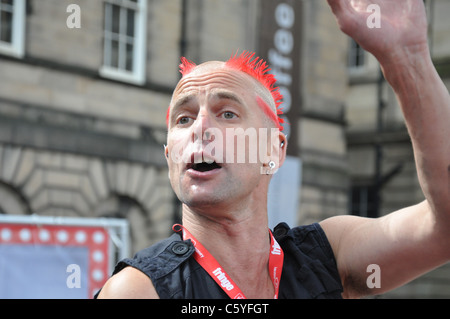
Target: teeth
(208,160)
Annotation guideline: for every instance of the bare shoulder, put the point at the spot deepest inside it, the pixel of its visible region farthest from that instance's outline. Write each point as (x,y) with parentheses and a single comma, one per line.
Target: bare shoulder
(404,245)
(352,243)
(337,226)
(130,283)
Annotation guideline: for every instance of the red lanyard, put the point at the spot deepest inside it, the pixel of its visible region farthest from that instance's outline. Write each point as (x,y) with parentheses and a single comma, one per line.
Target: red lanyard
(213,268)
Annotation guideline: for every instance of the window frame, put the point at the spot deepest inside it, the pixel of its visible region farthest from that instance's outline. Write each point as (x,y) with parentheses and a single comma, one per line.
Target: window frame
(355,53)
(138,69)
(17,46)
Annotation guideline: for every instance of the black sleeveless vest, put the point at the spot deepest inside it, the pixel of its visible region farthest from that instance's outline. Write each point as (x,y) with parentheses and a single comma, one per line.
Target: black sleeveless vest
(309,269)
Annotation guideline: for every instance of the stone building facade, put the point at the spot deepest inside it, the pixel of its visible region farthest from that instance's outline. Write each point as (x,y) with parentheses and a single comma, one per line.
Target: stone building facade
(322,143)
(82,113)
(83,105)
(74,141)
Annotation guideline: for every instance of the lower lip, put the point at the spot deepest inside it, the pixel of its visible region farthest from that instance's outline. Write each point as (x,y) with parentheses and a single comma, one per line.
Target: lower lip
(197,174)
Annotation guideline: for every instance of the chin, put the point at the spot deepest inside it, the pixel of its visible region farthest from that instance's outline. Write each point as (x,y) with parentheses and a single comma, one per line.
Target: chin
(201,200)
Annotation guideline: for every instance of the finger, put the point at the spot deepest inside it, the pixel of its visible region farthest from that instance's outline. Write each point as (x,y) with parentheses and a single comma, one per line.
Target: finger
(336,6)
(342,9)
(344,13)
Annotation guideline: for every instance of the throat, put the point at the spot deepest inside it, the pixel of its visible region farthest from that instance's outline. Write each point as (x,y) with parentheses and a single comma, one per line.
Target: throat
(240,247)
(250,270)
(256,285)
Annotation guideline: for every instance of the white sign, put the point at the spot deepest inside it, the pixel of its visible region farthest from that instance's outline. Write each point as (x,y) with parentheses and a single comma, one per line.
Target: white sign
(284,189)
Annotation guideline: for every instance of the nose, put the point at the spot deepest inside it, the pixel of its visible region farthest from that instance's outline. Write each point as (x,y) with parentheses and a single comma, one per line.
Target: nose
(201,125)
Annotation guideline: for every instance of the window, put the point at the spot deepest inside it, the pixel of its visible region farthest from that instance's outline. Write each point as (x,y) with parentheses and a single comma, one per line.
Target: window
(363,201)
(12,27)
(124,40)
(356,56)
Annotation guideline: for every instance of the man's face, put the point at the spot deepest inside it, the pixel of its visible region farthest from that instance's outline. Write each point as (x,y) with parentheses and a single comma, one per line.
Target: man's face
(218,138)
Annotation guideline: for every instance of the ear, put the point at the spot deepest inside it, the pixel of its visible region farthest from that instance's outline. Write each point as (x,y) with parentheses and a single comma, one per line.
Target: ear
(276,152)
(279,146)
(166,153)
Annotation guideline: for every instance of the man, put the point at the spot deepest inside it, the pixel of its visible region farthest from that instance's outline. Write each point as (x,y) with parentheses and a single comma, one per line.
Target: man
(227,248)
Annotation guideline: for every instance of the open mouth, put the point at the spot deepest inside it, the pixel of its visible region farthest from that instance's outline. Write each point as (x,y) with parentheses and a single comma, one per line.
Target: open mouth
(204,167)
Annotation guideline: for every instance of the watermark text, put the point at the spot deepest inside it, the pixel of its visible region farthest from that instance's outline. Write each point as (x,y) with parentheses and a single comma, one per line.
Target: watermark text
(374,19)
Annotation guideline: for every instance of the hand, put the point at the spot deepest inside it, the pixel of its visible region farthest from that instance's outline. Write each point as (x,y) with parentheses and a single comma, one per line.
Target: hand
(403,25)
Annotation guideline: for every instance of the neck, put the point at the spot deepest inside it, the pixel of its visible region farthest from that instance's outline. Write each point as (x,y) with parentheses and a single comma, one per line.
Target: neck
(240,242)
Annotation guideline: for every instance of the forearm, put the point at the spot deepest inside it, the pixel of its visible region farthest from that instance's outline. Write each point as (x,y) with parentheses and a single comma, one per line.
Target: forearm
(425,103)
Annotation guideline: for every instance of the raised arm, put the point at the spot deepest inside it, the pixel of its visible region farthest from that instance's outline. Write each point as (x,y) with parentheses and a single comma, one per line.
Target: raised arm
(414,240)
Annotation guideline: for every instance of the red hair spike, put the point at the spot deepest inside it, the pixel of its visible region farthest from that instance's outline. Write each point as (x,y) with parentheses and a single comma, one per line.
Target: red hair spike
(258,69)
(186,66)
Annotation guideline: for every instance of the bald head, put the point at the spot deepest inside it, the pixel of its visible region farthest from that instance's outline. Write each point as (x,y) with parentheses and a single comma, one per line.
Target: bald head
(211,66)
(254,70)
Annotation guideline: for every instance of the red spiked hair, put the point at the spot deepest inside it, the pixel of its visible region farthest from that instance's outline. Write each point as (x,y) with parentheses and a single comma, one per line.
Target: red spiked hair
(186,66)
(256,68)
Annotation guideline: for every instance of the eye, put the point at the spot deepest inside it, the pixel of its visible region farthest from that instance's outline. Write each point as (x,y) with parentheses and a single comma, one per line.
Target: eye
(229,115)
(183,120)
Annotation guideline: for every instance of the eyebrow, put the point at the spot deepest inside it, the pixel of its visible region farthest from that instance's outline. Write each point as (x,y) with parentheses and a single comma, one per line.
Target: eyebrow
(182,101)
(226,95)
(221,95)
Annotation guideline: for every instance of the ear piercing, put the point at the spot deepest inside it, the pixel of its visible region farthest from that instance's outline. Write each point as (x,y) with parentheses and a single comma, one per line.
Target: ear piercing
(271,165)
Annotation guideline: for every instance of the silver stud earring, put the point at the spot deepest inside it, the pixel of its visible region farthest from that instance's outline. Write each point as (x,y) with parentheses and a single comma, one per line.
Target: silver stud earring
(271,166)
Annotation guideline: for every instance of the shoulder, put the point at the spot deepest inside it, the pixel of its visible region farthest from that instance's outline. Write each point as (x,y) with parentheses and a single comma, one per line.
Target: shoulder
(147,273)
(307,238)
(310,269)
(129,283)
(309,245)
